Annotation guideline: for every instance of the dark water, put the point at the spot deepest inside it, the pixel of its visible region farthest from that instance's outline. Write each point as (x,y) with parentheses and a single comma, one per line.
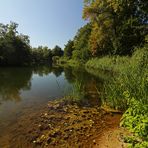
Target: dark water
(29,89)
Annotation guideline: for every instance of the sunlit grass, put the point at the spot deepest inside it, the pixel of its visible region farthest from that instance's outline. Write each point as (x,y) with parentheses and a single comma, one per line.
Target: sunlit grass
(113,63)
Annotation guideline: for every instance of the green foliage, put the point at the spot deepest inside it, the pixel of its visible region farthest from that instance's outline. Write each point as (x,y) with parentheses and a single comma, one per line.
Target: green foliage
(63,60)
(117,26)
(134,143)
(132,78)
(78,48)
(55,59)
(130,75)
(41,55)
(76,55)
(57,51)
(75,63)
(81,41)
(85,54)
(69,47)
(14,47)
(109,63)
(143,144)
(78,92)
(135,119)
(128,89)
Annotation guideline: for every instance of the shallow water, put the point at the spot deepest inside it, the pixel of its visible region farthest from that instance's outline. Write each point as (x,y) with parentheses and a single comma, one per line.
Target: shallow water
(24,91)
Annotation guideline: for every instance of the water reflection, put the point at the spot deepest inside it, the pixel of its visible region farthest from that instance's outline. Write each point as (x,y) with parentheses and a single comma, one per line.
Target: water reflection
(12,80)
(42,71)
(57,71)
(42,80)
(87,88)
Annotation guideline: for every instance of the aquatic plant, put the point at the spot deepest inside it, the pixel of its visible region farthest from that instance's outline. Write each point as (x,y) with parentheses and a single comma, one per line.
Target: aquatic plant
(78,92)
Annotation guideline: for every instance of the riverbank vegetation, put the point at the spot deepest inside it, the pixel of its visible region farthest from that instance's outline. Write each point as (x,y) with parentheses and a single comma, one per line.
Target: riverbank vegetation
(115,40)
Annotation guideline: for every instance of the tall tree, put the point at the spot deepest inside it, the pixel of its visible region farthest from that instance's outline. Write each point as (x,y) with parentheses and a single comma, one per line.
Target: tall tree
(41,55)
(118,25)
(81,41)
(14,47)
(57,51)
(69,48)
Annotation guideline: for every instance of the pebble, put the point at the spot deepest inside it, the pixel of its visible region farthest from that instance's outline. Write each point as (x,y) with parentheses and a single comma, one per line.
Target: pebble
(45,114)
(94,141)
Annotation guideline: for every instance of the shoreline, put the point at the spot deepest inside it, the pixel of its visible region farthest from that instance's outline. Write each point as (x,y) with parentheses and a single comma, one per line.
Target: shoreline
(64,124)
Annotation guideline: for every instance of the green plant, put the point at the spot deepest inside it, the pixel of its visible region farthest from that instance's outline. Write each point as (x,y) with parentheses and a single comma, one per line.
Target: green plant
(133,79)
(135,119)
(128,90)
(78,91)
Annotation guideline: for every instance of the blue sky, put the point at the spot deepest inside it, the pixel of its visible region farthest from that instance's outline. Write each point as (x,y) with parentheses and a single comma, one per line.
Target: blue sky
(47,22)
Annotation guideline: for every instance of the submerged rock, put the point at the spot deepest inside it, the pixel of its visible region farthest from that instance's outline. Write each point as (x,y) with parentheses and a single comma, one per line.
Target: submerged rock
(66,124)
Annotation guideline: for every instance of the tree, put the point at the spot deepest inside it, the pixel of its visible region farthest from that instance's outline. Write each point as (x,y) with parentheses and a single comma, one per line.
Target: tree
(81,41)
(117,26)
(42,55)
(69,48)
(57,51)
(76,54)
(14,47)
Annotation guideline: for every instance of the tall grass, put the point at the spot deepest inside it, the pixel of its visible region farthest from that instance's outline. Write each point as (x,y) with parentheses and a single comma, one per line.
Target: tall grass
(78,92)
(129,90)
(113,63)
(131,75)
(133,79)
(70,62)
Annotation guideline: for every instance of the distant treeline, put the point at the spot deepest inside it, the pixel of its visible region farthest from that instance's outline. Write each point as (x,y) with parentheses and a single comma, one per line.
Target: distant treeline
(15,49)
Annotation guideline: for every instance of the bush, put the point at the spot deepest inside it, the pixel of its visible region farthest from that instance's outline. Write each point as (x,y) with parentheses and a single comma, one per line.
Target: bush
(135,119)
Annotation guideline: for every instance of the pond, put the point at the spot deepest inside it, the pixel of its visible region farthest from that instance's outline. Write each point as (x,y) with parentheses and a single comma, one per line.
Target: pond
(27,90)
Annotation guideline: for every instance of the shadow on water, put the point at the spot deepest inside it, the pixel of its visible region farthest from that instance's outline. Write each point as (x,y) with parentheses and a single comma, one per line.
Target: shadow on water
(12,80)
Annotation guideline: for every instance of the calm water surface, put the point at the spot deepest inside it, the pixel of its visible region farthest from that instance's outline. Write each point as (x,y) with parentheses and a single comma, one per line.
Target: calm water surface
(26,90)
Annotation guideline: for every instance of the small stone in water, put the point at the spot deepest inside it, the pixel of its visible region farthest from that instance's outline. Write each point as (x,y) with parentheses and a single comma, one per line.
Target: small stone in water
(94,141)
(49,125)
(65,124)
(45,114)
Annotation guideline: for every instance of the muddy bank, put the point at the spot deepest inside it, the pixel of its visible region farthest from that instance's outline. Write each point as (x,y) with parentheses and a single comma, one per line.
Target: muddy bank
(64,124)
